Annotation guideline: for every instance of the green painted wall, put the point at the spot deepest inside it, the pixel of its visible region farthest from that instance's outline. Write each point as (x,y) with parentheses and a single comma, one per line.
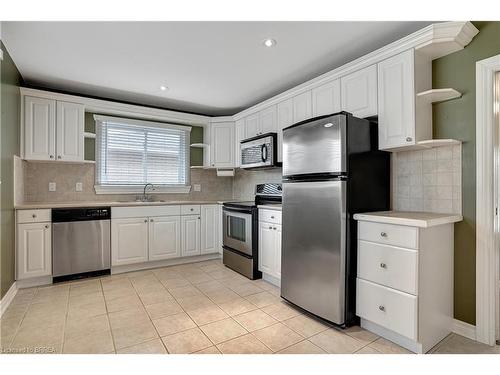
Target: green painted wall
(457,119)
(10,104)
(196,155)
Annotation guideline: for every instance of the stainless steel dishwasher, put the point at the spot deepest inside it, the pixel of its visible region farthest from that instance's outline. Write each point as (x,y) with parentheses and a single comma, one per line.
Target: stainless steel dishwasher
(81,242)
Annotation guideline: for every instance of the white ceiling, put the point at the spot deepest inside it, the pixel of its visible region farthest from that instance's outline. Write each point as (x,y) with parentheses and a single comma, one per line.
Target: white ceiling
(214,68)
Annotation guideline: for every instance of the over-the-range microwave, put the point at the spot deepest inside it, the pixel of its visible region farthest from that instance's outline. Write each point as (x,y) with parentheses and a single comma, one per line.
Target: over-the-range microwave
(259,152)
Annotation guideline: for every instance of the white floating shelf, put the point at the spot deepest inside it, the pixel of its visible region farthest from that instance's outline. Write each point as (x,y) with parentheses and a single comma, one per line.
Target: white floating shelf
(88,135)
(197,167)
(431,143)
(88,162)
(438,95)
(198,145)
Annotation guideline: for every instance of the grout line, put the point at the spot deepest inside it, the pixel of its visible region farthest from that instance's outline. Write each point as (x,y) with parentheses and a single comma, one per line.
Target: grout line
(107,317)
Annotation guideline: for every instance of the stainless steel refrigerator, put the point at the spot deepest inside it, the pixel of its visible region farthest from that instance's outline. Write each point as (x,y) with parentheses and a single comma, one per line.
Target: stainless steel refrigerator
(332,169)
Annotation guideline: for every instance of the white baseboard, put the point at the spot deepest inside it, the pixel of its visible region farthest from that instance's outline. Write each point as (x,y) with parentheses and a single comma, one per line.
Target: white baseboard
(271,279)
(464,329)
(7,299)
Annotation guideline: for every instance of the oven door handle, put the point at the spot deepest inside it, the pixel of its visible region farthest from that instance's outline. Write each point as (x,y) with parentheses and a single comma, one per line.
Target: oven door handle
(263,152)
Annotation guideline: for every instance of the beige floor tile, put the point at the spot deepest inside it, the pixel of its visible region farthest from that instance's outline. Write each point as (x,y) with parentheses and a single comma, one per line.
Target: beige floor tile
(223,330)
(207,315)
(210,286)
(367,350)
(185,291)
(149,347)
(303,347)
(222,296)
(119,292)
(159,310)
(125,318)
(186,342)
(262,299)
(261,283)
(199,278)
(44,319)
(335,342)
(237,306)
(305,325)
(245,289)
(173,324)
(46,308)
(174,283)
(85,299)
(133,334)
(81,327)
(155,297)
(246,344)
(456,344)
(195,302)
(361,334)
(85,287)
(8,327)
(210,350)
(92,343)
(385,346)
(212,267)
(45,338)
(152,287)
(254,320)
(221,274)
(278,337)
(123,303)
(5,343)
(281,311)
(87,311)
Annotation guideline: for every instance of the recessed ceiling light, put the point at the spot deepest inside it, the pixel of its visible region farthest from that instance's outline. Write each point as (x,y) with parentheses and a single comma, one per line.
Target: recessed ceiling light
(269,42)
(163,88)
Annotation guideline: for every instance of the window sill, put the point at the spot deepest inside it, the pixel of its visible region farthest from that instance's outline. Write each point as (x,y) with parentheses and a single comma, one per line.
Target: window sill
(127,189)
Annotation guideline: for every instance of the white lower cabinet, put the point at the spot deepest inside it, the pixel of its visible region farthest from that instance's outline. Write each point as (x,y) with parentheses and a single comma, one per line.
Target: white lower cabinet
(270,245)
(164,237)
(190,235)
(34,250)
(209,229)
(129,241)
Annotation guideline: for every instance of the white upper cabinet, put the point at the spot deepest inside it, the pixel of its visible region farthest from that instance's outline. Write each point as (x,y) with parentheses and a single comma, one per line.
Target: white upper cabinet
(252,127)
(190,243)
(39,128)
(396,101)
(302,107)
(164,237)
(69,131)
(285,119)
(239,135)
(222,144)
(359,92)
(326,98)
(268,120)
(209,229)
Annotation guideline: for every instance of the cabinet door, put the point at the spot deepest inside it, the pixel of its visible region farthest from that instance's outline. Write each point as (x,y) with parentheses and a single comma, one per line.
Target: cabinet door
(69,131)
(302,107)
(219,228)
(129,241)
(164,237)
(326,98)
(222,142)
(267,244)
(239,135)
(209,229)
(190,243)
(268,120)
(359,92)
(285,119)
(39,128)
(34,250)
(277,248)
(252,125)
(396,101)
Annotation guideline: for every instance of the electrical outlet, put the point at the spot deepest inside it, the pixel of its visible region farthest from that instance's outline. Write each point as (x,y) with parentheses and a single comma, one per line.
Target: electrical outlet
(52,186)
(196,187)
(78,186)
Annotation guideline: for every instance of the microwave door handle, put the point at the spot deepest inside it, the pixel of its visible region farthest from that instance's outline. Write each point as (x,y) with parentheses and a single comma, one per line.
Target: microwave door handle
(263,152)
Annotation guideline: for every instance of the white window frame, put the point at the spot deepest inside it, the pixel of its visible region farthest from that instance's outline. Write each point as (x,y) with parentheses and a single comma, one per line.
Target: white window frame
(136,189)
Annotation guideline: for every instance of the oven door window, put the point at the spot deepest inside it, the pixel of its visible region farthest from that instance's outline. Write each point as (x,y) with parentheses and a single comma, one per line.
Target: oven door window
(237,228)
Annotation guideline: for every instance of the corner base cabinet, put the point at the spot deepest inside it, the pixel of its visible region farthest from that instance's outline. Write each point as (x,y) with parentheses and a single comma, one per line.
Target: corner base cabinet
(404,288)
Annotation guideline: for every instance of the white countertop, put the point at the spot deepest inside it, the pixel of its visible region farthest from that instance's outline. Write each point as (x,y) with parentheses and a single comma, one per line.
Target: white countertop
(35,205)
(270,206)
(413,219)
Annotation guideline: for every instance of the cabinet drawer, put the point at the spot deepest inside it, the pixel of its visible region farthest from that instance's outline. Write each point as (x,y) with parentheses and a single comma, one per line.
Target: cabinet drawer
(388,234)
(144,211)
(33,216)
(270,216)
(387,307)
(391,266)
(190,209)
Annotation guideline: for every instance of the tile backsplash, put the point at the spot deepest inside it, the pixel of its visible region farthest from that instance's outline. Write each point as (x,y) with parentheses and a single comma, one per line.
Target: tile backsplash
(428,180)
(245,180)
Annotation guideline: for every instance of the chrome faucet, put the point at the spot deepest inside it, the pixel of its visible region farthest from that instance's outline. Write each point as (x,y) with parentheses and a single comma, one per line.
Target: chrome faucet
(145,197)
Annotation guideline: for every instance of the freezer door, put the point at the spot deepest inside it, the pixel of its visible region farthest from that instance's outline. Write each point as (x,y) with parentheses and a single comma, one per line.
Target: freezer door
(314,247)
(317,146)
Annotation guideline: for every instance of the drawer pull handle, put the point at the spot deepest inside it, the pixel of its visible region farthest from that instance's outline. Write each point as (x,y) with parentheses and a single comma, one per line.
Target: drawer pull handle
(383,234)
(381,308)
(383,265)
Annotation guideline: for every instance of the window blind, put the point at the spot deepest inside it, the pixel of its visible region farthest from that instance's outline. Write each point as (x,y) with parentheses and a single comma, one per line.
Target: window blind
(134,152)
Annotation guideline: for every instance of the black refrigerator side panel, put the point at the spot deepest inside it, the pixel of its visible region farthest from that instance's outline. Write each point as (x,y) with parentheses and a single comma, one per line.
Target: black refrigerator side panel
(368,190)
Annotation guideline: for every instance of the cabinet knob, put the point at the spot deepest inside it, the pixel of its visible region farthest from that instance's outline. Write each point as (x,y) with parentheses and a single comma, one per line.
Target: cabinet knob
(34,216)
(51,156)
(383,265)
(151,220)
(408,139)
(145,220)
(270,227)
(272,217)
(59,156)
(192,209)
(383,234)
(274,228)
(381,308)
(47,226)
(199,218)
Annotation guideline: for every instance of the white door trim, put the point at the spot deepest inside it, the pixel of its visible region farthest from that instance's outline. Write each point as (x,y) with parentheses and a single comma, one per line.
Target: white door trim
(486,187)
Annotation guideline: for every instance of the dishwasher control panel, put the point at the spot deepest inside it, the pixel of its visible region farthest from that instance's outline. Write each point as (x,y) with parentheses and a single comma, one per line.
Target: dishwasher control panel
(60,215)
